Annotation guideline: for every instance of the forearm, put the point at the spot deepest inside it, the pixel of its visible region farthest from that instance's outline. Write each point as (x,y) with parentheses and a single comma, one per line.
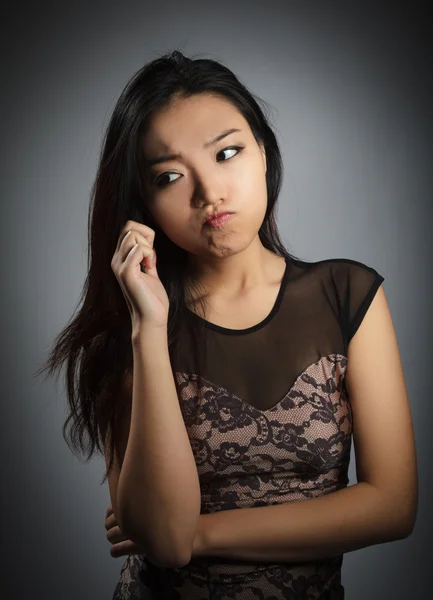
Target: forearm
(158,491)
(326,526)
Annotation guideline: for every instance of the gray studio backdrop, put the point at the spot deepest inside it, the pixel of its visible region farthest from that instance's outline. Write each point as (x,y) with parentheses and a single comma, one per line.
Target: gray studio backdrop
(350,91)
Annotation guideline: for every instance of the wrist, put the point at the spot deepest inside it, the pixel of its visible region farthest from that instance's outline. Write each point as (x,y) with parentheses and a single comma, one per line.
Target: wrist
(145,335)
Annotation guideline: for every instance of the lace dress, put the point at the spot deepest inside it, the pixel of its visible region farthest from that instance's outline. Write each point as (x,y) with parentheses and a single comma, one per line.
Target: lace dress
(273,424)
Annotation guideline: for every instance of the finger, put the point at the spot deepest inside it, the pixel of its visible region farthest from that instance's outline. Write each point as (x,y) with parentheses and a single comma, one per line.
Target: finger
(122,237)
(134,238)
(125,548)
(109,511)
(111,516)
(115,535)
(144,230)
(130,240)
(142,256)
(110,521)
(147,232)
(123,232)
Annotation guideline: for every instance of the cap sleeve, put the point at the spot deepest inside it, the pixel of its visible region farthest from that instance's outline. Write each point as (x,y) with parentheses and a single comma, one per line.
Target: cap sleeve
(362,284)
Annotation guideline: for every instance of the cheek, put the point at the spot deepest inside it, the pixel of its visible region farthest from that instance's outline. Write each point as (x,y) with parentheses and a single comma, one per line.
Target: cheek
(251,175)
(251,191)
(175,224)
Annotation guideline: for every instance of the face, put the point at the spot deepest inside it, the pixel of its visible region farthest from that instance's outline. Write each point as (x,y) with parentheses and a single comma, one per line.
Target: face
(227,175)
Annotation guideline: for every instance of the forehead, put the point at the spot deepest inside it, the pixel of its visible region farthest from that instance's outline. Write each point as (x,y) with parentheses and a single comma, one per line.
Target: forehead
(190,122)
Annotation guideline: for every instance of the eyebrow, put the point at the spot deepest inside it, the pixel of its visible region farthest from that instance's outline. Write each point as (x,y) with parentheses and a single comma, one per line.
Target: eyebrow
(166,157)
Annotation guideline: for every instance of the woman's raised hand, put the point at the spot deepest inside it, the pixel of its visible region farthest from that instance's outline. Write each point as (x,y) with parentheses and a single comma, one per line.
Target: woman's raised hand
(144,293)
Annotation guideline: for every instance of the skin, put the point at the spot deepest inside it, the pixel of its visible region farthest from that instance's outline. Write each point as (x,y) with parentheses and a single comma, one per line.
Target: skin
(231,263)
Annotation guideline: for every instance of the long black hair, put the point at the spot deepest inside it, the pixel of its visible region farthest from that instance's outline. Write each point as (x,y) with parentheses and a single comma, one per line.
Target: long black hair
(96,343)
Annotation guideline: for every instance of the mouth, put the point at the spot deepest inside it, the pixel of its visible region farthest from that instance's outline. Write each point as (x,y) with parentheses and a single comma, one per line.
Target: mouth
(219,220)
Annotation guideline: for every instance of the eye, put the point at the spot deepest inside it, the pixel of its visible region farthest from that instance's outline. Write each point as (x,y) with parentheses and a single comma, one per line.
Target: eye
(231,148)
(160,184)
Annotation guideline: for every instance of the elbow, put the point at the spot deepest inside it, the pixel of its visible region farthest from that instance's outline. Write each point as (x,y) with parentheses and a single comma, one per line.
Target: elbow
(171,562)
(170,557)
(402,533)
(409,520)
(406,527)
(175,557)
(399,517)
(179,552)
(169,546)
(403,526)
(179,561)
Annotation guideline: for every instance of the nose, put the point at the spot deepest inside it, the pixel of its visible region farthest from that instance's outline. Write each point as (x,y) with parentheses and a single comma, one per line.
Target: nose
(209,188)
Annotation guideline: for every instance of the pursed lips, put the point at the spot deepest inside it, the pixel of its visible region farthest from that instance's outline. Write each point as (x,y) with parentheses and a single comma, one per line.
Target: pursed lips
(216,217)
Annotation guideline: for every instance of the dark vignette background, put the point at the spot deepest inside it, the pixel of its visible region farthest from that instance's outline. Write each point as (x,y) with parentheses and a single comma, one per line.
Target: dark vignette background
(351,89)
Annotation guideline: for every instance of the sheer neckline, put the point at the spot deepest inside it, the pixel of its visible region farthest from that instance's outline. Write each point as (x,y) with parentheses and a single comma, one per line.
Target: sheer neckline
(271,315)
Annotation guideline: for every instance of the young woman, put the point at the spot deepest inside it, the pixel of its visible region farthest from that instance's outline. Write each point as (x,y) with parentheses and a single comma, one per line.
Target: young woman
(222,377)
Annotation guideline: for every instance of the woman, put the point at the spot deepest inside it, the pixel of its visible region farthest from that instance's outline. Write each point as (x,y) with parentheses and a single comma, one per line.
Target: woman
(222,377)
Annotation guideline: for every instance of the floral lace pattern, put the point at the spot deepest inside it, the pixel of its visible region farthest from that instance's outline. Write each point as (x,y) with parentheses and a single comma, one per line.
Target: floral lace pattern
(248,457)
